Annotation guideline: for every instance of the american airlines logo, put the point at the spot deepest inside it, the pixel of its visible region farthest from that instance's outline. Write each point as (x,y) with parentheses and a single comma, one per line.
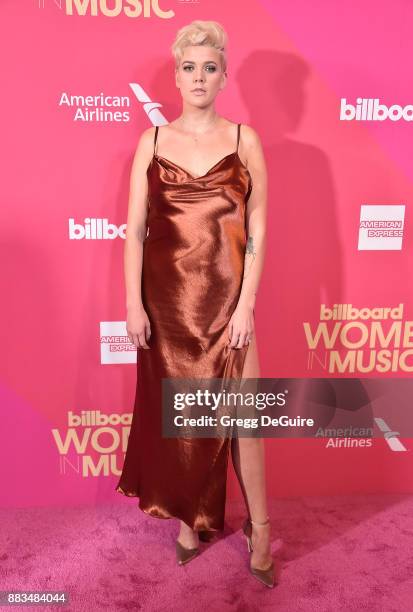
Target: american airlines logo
(151,108)
(95,229)
(381,227)
(370,109)
(390,436)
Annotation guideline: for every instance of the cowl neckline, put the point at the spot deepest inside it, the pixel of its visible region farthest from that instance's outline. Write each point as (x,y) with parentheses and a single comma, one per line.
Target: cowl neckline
(190,176)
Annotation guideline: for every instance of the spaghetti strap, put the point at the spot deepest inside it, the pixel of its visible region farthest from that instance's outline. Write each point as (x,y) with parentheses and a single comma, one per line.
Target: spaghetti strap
(239,128)
(155,138)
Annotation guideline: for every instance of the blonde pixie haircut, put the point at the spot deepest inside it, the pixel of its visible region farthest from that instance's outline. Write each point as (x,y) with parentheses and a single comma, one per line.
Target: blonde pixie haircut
(208,33)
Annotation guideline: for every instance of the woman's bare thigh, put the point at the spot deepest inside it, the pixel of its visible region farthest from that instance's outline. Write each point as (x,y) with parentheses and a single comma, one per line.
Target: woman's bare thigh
(252,365)
(249,382)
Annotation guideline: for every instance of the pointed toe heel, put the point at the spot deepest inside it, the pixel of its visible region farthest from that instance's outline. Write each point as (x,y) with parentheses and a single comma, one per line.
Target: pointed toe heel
(184,555)
(267,575)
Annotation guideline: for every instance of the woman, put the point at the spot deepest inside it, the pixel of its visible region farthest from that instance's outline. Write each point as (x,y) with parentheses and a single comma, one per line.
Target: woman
(194,253)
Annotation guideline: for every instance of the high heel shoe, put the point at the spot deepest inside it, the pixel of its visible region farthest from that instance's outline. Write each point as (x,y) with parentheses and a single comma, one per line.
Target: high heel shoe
(184,555)
(266,575)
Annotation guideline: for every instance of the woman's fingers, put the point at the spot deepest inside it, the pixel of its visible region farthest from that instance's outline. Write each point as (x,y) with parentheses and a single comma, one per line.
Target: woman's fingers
(244,338)
(142,340)
(230,330)
(239,337)
(139,339)
(249,337)
(238,340)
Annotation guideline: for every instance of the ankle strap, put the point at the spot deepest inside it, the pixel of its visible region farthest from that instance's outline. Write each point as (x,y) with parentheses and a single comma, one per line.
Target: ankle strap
(256,523)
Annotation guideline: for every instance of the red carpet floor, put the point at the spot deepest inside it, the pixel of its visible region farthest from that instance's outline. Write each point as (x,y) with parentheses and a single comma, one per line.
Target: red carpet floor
(335,553)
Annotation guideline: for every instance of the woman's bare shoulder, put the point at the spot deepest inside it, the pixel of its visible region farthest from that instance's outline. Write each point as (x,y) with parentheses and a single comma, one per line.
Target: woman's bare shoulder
(253,152)
(249,135)
(144,150)
(147,136)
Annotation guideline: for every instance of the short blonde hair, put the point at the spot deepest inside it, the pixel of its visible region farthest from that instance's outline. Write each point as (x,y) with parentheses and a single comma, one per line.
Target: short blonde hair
(208,33)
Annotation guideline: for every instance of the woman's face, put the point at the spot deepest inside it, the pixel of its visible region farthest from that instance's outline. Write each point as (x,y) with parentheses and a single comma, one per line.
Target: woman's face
(200,67)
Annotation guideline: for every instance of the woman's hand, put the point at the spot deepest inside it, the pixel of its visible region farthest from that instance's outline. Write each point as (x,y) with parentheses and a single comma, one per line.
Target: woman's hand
(138,327)
(241,326)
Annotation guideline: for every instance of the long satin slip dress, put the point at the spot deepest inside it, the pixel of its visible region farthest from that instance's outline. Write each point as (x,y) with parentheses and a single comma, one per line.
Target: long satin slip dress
(192,270)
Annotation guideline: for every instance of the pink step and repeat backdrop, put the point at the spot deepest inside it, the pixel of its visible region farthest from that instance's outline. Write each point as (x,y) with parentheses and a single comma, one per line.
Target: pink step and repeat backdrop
(327,86)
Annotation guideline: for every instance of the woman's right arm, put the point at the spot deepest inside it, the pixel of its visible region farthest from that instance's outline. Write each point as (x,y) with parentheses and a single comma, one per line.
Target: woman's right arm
(137,321)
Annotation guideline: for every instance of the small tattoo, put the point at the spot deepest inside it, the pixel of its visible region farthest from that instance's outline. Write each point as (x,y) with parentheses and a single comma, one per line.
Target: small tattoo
(249,250)
(250,245)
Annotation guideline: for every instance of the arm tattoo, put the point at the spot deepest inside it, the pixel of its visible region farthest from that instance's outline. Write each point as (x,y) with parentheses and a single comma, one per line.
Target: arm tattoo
(250,254)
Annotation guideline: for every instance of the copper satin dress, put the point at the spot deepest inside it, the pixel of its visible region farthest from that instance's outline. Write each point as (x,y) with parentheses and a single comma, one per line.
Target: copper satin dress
(192,270)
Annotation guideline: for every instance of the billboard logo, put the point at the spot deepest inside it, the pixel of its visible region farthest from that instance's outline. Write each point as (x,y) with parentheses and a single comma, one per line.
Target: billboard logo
(95,229)
(370,109)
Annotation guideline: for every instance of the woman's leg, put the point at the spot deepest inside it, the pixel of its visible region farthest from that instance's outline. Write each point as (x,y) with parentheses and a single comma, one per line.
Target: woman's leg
(248,458)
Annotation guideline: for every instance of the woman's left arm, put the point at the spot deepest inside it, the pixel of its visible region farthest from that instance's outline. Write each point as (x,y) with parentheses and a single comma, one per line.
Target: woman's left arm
(241,325)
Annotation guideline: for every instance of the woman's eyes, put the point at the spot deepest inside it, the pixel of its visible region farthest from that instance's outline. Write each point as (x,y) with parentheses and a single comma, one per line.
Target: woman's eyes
(213,68)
